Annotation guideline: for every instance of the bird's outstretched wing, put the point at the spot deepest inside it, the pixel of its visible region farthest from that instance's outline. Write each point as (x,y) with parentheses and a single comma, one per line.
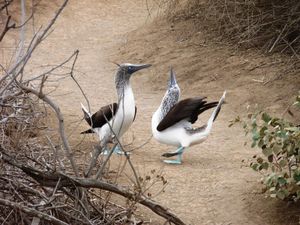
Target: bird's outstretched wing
(187,109)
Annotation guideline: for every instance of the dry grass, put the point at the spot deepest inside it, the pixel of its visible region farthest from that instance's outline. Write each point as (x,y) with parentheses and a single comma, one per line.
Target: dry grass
(271,25)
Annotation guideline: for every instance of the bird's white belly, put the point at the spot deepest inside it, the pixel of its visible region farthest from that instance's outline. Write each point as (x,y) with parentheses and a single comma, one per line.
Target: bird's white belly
(122,120)
(125,114)
(171,136)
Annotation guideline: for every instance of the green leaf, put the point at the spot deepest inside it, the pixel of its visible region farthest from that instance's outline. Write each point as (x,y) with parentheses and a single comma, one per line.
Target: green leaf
(265,165)
(296,176)
(255,136)
(270,158)
(281,181)
(267,152)
(265,117)
(262,131)
(281,194)
(254,166)
(276,148)
(261,143)
(260,160)
(283,163)
(273,168)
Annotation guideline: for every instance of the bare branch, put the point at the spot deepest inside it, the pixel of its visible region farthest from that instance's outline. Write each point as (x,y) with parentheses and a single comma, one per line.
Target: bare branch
(60,118)
(7,27)
(13,72)
(32,211)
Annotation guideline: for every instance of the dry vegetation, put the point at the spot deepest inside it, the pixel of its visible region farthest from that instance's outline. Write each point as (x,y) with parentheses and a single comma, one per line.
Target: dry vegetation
(272,26)
(41,180)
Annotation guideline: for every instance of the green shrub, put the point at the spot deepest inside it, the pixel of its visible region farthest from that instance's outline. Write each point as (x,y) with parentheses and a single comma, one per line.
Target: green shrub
(279,142)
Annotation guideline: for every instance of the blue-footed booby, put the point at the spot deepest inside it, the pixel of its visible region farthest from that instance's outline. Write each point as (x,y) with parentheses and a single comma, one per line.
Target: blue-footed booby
(115,119)
(172,121)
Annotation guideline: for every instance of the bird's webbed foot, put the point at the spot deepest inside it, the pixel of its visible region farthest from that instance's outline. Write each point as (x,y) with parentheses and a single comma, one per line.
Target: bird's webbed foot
(177,153)
(117,150)
(174,161)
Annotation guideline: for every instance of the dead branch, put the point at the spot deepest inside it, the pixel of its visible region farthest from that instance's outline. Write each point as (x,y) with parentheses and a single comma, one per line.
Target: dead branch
(14,72)
(7,27)
(5,4)
(72,76)
(52,179)
(60,118)
(32,211)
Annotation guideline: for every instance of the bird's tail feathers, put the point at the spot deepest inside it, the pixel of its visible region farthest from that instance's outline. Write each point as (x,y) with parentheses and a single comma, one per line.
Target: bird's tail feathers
(216,111)
(87,114)
(208,106)
(85,111)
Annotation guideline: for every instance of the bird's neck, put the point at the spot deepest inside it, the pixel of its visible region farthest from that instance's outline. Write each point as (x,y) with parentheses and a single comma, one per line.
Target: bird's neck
(125,94)
(170,98)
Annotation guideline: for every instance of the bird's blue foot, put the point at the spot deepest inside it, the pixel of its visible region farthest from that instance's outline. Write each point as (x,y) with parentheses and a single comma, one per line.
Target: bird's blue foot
(174,161)
(116,150)
(177,153)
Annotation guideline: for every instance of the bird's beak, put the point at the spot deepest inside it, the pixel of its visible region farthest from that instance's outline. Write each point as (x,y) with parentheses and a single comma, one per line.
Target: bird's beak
(140,67)
(172,78)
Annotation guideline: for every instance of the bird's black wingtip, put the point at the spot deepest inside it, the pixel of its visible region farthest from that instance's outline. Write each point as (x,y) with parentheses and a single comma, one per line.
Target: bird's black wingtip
(89,131)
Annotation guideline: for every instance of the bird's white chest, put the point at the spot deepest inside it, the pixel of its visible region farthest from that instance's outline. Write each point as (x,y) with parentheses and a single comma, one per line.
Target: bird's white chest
(168,136)
(125,113)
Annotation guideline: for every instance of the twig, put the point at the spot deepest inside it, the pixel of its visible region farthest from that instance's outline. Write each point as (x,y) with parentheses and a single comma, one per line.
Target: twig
(34,43)
(56,158)
(60,118)
(278,38)
(51,179)
(72,76)
(52,69)
(7,27)
(32,211)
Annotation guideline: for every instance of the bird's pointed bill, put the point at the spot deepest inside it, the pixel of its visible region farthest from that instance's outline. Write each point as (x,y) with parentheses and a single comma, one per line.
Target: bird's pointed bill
(138,67)
(172,81)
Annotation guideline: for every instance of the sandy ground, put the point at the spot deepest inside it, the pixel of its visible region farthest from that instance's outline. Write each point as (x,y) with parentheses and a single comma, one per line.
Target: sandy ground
(212,186)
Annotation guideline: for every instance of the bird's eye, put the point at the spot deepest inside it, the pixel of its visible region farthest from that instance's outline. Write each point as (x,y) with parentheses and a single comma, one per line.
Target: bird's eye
(129,68)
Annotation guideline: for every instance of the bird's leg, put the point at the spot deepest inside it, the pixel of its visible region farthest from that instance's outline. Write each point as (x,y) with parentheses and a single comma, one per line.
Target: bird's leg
(96,153)
(105,151)
(116,150)
(177,153)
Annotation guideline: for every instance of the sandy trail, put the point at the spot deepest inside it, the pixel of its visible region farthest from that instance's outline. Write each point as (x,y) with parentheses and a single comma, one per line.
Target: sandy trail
(210,187)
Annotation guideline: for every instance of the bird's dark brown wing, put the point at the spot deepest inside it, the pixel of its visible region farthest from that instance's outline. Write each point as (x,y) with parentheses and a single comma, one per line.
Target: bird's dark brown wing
(187,109)
(103,115)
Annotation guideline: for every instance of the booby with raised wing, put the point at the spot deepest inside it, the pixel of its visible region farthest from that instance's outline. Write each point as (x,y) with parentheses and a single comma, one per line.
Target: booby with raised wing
(115,119)
(172,121)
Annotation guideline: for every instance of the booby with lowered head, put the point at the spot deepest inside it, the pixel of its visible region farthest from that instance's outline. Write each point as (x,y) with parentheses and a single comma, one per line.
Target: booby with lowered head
(116,118)
(172,121)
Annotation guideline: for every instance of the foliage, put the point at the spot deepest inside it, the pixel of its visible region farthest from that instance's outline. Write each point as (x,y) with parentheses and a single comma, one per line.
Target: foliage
(279,142)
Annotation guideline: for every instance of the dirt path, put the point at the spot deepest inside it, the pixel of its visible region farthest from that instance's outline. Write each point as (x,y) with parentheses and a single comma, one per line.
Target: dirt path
(210,187)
